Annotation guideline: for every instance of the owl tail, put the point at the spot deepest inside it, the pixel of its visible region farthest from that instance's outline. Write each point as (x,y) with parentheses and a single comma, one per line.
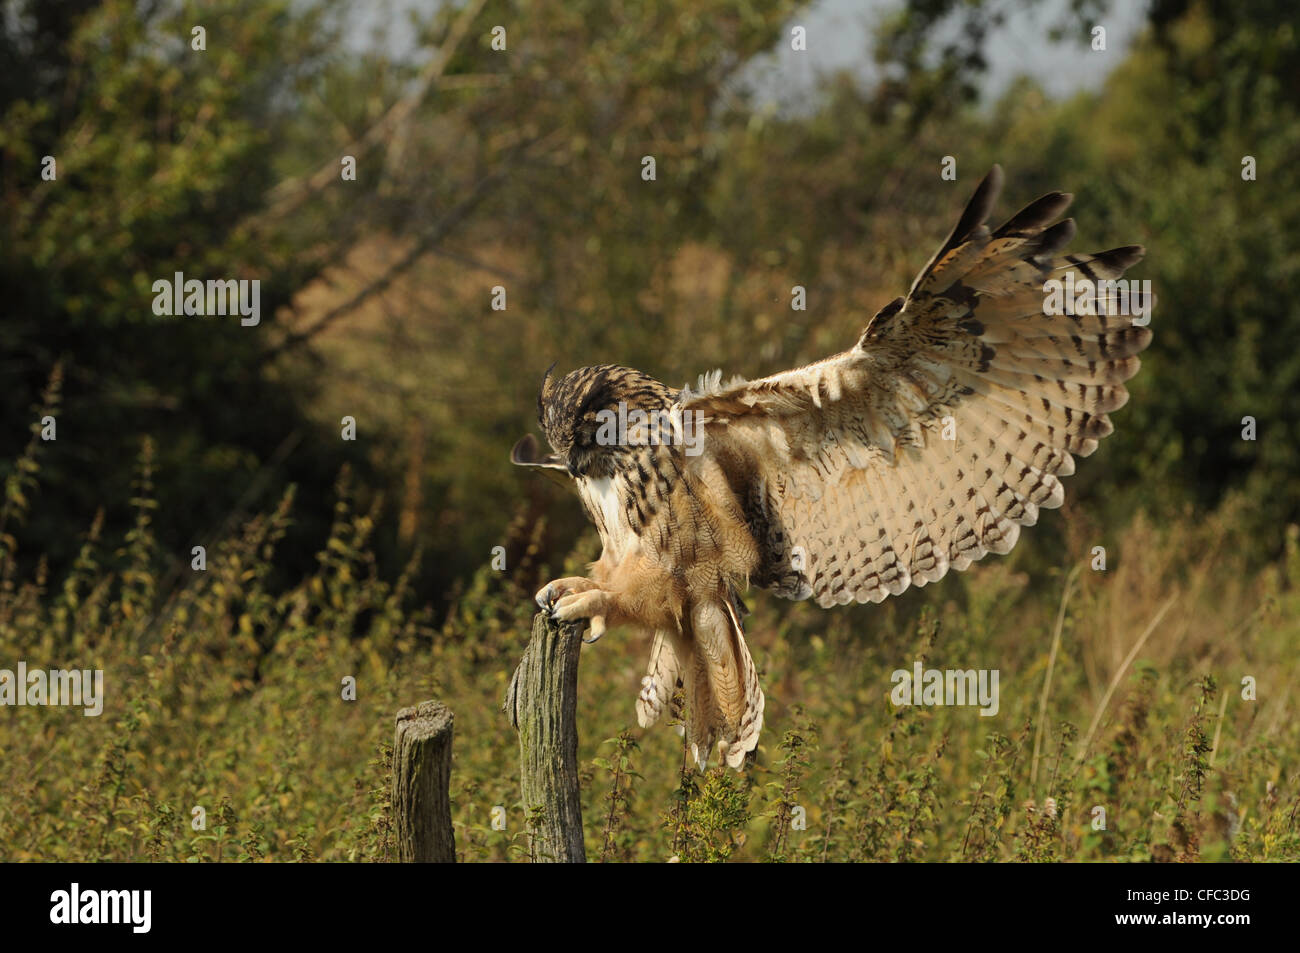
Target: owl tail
(711,663)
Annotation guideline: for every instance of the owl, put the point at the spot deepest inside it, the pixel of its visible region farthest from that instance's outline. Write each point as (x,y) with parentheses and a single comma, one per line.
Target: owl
(947,426)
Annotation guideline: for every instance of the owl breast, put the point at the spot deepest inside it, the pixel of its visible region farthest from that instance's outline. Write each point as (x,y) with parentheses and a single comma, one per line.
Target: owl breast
(629,506)
(604,498)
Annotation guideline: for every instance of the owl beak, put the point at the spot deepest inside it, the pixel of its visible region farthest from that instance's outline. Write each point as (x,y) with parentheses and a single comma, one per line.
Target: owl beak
(528,453)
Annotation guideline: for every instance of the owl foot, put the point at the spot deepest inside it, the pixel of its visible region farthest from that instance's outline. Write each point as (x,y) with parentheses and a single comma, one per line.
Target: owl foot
(593,604)
(553,591)
(581,605)
(572,598)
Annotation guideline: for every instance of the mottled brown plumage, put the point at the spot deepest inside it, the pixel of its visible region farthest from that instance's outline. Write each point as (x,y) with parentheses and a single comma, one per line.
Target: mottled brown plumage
(925,446)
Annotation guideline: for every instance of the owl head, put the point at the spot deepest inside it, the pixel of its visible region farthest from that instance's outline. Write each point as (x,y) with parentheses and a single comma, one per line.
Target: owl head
(576,412)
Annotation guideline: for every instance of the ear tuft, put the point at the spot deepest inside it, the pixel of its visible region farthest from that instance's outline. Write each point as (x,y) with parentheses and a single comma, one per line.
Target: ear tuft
(544,393)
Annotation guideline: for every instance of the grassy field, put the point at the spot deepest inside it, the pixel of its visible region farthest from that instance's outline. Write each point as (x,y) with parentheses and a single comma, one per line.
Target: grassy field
(1123,732)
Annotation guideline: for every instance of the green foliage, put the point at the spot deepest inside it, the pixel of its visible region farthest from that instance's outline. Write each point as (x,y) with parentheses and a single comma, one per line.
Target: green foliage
(717,809)
(792,767)
(164,158)
(620,797)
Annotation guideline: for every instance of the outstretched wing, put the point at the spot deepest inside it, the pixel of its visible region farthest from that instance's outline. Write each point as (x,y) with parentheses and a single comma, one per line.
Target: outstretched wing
(945,428)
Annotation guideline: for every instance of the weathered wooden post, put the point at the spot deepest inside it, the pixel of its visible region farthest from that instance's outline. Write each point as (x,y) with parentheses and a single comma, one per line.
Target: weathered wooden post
(421,804)
(542,705)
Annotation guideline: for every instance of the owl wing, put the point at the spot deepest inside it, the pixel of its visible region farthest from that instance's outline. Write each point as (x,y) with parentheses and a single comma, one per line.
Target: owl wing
(944,429)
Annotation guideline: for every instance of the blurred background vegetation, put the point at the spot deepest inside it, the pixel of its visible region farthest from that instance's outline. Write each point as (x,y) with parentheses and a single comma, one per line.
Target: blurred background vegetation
(521,168)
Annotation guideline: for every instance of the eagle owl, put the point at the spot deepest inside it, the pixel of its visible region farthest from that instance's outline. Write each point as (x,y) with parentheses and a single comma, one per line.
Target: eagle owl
(945,428)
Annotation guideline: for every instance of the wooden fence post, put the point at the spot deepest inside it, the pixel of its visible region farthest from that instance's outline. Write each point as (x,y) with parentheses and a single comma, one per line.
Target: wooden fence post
(421,804)
(542,705)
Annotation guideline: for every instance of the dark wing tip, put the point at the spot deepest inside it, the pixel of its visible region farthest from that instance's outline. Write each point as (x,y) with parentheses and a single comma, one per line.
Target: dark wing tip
(1126,256)
(979,206)
(1054,238)
(977,210)
(1036,215)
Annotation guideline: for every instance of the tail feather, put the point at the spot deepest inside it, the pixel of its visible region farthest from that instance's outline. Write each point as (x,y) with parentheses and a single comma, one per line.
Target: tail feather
(750,723)
(662,679)
(724,699)
(701,710)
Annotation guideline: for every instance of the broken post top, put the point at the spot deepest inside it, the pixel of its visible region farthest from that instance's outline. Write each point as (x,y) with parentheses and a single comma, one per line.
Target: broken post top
(425,719)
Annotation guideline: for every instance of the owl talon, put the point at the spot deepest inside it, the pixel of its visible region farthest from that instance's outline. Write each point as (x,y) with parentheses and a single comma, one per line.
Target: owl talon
(597,629)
